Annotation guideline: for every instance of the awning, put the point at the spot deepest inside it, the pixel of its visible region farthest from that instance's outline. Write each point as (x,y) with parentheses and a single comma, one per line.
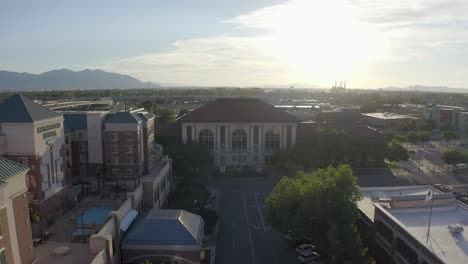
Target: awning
(127,220)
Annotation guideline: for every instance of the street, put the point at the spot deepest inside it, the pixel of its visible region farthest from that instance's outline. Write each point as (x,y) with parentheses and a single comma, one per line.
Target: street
(244,234)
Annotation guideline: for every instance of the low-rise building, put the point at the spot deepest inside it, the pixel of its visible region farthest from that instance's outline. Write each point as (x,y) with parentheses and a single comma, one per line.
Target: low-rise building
(15,229)
(164,236)
(398,218)
(388,120)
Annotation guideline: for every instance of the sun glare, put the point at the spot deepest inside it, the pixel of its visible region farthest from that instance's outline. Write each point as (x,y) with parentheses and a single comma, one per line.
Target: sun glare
(324,40)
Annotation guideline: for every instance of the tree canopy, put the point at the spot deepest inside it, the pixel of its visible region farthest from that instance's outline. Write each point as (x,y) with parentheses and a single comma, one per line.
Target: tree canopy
(450,135)
(320,205)
(396,152)
(418,136)
(454,156)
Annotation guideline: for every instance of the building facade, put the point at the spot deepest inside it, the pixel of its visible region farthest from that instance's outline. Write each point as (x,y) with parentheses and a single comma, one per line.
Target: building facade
(15,229)
(34,136)
(241,132)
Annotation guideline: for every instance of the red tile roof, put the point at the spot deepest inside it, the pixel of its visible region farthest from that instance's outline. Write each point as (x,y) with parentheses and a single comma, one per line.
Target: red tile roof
(238,110)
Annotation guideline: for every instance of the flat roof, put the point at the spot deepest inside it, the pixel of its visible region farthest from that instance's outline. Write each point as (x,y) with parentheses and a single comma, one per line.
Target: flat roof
(449,247)
(371,195)
(387,115)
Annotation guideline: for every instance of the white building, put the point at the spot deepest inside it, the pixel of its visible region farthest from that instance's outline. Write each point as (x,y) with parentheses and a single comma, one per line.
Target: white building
(32,135)
(240,132)
(400,219)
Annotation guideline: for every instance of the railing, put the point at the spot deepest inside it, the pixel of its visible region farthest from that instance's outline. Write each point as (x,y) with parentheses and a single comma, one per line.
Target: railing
(399,259)
(384,243)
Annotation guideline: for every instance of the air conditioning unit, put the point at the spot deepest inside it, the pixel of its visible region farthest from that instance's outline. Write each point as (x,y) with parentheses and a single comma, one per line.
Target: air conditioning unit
(455,228)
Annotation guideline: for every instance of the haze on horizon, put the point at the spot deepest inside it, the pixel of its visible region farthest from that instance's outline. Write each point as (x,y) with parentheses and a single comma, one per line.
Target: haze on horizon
(369,43)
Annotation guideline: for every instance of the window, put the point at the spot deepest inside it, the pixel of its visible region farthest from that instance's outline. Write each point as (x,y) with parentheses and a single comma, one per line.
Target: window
(79,135)
(67,140)
(129,149)
(222,136)
(83,159)
(82,147)
(206,138)
(115,171)
(115,160)
(128,137)
(272,140)
(239,140)
(23,161)
(223,160)
(130,171)
(114,136)
(2,256)
(130,161)
(114,148)
(189,134)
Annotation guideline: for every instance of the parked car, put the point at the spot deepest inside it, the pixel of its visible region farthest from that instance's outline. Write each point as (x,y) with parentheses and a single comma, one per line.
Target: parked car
(305,249)
(297,242)
(309,259)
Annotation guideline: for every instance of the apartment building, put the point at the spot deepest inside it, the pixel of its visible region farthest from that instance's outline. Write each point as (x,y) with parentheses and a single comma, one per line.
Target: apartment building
(110,146)
(15,230)
(240,132)
(33,136)
(447,116)
(398,220)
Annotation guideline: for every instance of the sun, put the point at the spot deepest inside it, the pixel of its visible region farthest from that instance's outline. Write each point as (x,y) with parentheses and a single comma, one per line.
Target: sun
(324,41)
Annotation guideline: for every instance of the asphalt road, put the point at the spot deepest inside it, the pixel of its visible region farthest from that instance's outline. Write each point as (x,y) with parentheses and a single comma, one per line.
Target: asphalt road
(244,234)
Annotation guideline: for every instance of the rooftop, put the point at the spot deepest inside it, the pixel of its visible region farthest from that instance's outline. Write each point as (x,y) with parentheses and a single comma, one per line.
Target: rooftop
(123,117)
(166,228)
(75,121)
(238,110)
(20,109)
(9,168)
(387,116)
(449,247)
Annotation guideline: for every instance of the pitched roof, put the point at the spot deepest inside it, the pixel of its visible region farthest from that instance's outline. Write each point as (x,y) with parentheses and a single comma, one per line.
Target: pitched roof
(167,228)
(122,117)
(238,110)
(9,168)
(20,109)
(75,122)
(145,115)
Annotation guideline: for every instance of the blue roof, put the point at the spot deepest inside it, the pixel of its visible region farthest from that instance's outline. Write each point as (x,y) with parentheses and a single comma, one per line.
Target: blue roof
(122,117)
(166,228)
(75,122)
(20,109)
(127,220)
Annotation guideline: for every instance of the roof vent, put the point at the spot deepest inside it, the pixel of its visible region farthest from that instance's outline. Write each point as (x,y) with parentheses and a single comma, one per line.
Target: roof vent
(455,228)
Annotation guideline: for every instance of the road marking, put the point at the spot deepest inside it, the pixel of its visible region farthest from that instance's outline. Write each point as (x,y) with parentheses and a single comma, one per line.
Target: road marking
(252,249)
(260,213)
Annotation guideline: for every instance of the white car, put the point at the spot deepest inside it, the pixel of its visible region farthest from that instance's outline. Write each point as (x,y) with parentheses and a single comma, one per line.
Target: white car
(308,260)
(305,249)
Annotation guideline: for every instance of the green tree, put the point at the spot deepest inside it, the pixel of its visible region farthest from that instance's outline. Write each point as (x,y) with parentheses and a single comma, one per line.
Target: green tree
(320,205)
(428,125)
(450,135)
(453,156)
(164,115)
(396,152)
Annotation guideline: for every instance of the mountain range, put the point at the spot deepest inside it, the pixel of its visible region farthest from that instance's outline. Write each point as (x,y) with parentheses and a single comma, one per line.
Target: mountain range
(65,79)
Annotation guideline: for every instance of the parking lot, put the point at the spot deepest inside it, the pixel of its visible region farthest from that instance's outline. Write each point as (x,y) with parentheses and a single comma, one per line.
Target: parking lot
(244,233)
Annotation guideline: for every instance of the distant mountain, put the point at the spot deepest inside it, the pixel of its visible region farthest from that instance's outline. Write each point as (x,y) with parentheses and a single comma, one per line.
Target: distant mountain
(422,88)
(69,80)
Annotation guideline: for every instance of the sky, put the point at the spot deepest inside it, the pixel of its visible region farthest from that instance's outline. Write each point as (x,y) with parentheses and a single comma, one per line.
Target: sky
(368,43)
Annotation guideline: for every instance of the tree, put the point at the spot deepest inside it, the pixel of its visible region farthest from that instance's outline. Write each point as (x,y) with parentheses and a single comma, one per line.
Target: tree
(164,115)
(320,205)
(450,135)
(428,125)
(453,156)
(396,152)
(417,136)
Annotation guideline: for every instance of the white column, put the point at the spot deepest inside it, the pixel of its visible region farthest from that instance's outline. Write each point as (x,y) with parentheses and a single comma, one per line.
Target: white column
(293,135)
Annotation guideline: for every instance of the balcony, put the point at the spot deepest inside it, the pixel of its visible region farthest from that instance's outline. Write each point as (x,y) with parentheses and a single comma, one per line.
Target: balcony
(400,259)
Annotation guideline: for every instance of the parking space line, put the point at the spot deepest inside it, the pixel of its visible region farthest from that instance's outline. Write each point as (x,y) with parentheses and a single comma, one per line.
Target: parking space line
(252,249)
(260,213)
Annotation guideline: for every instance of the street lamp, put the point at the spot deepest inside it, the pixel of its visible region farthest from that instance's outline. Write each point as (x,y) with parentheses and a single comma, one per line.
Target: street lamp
(82,227)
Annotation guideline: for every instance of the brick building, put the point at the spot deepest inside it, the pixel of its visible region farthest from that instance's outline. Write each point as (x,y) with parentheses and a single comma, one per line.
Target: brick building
(33,135)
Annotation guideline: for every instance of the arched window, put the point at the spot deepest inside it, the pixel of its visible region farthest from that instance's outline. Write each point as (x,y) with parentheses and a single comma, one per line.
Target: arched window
(272,140)
(206,137)
(239,140)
